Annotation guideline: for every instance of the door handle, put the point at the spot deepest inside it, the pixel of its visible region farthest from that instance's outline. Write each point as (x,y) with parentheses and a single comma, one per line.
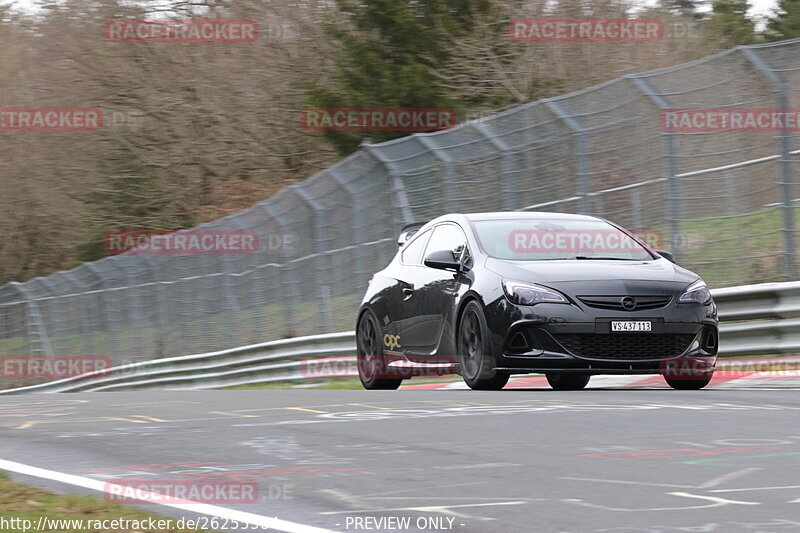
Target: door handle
(407,293)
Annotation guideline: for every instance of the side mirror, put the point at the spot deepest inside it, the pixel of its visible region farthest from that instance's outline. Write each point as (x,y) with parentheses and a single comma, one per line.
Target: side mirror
(667,255)
(443,260)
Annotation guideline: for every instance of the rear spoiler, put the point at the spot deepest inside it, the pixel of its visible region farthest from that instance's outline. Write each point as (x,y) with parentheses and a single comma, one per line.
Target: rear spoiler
(408,231)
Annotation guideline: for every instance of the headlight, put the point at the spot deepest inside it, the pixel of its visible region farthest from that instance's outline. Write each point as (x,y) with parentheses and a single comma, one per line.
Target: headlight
(529,294)
(696,292)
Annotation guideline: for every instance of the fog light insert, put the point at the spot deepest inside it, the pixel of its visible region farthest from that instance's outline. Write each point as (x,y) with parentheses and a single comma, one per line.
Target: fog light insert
(519,343)
(709,340)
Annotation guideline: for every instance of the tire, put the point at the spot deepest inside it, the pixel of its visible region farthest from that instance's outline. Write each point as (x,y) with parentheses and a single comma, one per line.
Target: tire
(371,364)
(567,380)
(475,362)
(689,384)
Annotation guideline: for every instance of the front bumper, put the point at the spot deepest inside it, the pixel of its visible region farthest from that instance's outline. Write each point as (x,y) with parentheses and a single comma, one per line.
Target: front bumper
(547,338)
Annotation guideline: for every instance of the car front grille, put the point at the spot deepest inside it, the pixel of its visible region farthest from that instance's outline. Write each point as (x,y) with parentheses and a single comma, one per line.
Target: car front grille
(615,302)
(625,346)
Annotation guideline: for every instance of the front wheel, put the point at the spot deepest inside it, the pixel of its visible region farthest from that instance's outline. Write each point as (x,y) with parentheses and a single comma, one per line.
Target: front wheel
(475,362)
(678,383)
(567,381)
(371,364)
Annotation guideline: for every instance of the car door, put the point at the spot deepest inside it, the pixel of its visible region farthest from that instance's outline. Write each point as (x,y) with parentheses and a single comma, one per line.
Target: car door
(434,293)
(398,316)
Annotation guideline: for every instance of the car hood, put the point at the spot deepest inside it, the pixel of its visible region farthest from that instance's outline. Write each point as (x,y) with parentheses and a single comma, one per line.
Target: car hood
(617,274)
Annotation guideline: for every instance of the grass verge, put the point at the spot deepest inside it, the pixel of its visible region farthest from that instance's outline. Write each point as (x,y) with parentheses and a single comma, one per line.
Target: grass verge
(20,502)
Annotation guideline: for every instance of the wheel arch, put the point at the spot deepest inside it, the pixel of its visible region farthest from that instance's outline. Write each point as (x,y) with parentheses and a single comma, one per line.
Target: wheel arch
(470,296)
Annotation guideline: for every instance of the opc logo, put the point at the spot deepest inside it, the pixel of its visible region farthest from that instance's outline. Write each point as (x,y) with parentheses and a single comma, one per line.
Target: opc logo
(391,341)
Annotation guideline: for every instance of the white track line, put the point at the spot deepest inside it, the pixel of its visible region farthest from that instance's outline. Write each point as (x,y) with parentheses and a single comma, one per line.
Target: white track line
(265,522)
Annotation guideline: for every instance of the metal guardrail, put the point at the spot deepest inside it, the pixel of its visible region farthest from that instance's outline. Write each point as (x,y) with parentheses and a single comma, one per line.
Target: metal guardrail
(288,359)
(759,319)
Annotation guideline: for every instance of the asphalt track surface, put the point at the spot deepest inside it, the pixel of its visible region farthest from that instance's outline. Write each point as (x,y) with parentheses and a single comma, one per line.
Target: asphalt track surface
(601,460)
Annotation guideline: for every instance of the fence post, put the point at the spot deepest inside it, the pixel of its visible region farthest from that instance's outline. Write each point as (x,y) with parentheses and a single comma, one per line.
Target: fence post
(581,152)
(398,187)
(636,202)
(509,172)
(114,314)
(782,90)
(358,233)
(37,332)
(109,339)
(448,171)
(231,306)
(320,228)
(289,296)
(674,206)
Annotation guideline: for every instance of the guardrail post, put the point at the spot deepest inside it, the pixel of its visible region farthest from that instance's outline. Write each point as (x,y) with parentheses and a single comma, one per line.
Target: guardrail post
(674,206)
(581,153)
(782,90)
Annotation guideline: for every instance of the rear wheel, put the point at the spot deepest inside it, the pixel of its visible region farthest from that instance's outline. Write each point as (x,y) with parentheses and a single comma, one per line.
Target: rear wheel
(689,384)
(475,362)
(567,380)
(371,364)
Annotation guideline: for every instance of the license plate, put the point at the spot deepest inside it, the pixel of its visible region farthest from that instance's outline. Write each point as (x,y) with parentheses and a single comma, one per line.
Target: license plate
(630,325)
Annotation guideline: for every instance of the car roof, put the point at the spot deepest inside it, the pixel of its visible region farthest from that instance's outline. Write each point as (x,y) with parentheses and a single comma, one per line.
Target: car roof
(513,215)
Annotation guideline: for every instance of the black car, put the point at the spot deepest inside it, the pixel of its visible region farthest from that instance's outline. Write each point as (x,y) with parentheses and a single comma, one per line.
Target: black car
(488,295)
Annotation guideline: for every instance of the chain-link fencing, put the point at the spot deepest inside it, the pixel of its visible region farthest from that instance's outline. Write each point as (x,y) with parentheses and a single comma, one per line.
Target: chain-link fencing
(723,200)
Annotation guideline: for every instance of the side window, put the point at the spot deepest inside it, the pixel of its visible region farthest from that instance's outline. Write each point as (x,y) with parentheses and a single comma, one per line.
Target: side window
(447,237)
(412,252)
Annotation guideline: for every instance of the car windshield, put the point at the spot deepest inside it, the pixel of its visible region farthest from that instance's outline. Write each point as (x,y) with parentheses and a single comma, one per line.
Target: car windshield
(553,239)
